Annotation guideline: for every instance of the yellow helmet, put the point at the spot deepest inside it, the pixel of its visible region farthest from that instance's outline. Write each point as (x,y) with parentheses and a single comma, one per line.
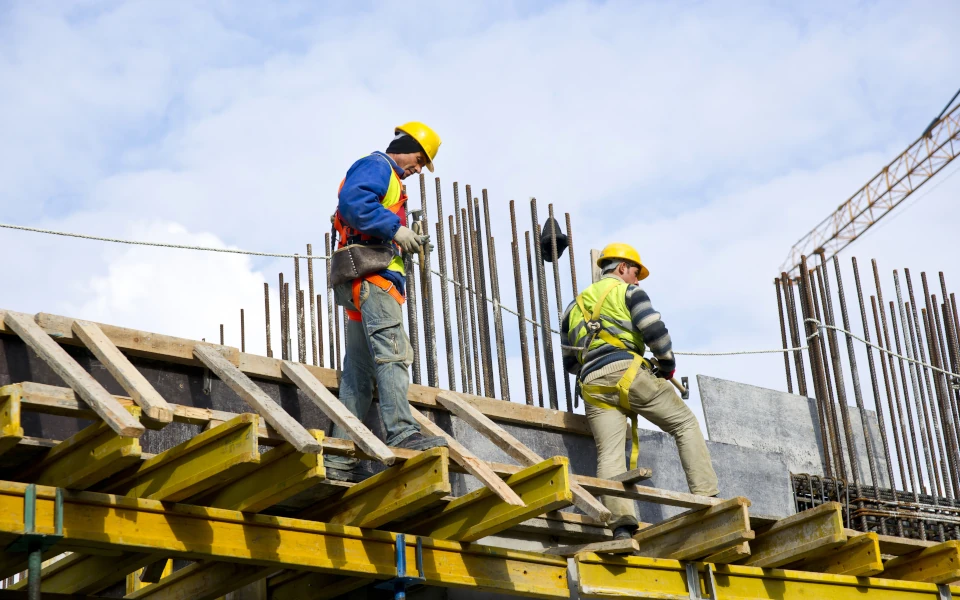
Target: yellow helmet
(623,252)
(428,138)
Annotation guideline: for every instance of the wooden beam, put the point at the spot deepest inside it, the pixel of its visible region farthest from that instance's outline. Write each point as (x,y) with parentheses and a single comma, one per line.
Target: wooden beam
(633,475)
(898,546)
(337,412)
(297,585)
(201,463)
(73,374)
(808,534)
(730,555)
(87,573)
(859,557)
(400,491)
(696,534)
(627,546)
(543,487)
(94,520)
(938,564)
(516,449)
(251,393)
(11,431)
(205,580)
(154,407)
(565,526)
(88,457)
(466,459)
(281,473)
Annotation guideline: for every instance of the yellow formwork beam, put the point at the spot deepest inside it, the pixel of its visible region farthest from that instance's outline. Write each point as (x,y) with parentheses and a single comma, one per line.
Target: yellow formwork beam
(87,573)
(205,461)
(90,456)
(281,473)
(399,491)
(543,487)
(10,430)
(860,556)
(937,564)
(102,521)
(662,579)
(202,581)
(698,533)
(809,534)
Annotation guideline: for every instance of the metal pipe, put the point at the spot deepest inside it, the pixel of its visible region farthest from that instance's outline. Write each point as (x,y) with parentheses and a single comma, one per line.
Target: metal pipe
(470,290)
(497,312)
(331,307)
(521,321)
(560,307)
(533,317)
(319,331)
(462,335)
(266,316)
(444,298)
(783,335)
(794,332)
(313,306)
(544,309)
(479,274)
(243,334)
(816,365)
(426,289)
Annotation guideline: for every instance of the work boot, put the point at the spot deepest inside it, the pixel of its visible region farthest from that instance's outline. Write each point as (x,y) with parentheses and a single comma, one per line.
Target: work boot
(418,441)
(624,527)
(623,533)
(355,474)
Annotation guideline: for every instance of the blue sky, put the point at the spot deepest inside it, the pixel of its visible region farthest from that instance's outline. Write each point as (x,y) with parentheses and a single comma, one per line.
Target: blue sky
(710,135)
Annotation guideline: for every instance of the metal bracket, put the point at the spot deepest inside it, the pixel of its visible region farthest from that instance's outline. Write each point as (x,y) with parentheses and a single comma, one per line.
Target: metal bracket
(401,582)
(693,581)
(686,388)
(207,381)
(943,592)
(31,540)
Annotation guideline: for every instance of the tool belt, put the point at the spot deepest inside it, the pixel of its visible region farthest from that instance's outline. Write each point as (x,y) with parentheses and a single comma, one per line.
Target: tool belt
(381,282)
(622,389)
(359,260)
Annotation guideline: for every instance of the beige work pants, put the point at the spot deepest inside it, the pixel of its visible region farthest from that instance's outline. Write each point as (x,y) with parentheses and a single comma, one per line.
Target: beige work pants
(655,400)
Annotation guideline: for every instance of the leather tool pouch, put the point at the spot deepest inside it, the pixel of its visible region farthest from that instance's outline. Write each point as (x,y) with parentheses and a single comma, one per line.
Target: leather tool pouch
(357,260)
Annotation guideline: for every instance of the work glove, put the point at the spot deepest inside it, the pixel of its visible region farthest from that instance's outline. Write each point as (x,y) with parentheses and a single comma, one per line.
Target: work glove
(408,240)
(667,376)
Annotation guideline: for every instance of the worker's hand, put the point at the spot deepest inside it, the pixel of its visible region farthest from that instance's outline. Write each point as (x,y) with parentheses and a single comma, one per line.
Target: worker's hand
(667,376)
(408,240)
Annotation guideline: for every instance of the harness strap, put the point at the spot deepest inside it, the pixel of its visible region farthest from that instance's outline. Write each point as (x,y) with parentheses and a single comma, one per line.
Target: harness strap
(381,282)
(595,326)
(622,389)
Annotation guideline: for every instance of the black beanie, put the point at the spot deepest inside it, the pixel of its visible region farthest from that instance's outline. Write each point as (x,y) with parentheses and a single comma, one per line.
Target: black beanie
(404,144)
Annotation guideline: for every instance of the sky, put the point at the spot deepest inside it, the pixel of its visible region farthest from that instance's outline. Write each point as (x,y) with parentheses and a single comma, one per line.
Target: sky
(710,135)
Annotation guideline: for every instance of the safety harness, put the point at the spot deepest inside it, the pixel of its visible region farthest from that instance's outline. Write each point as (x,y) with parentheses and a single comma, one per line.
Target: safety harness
(597,329)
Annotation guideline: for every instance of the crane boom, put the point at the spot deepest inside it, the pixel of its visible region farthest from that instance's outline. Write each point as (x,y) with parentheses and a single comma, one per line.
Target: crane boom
(923,159)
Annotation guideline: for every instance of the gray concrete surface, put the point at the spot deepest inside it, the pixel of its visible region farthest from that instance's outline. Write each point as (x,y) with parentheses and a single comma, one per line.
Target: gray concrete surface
(780,423)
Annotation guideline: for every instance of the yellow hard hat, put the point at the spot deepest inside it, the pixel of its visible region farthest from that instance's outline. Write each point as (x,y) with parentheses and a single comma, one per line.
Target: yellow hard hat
(428,138)
(623,251)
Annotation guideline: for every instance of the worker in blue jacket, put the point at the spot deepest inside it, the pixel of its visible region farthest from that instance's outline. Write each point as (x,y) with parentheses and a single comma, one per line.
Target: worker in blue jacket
(371,214)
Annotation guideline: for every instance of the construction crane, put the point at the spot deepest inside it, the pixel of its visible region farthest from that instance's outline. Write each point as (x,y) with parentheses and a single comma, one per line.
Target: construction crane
(905,174)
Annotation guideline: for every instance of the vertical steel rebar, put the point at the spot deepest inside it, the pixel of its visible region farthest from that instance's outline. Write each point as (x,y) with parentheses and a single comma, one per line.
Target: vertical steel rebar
(479,273)
(459,297)
(286,311)
(521,320)
(426,293)
(783,335)
(544,310)
(953,351)
(497,312)
(283,320)
(466,298)
(533,317)
(573,264)
(816,363)
(221,334)
(787,285)
(331,307)
(301,346)
(444,297)
(932,327)
(301,326)
(243,333)
(313,306)
(472,301)
(833,417)
(319,331)
(560,307)
(920,459)
(266,316)
(412,319)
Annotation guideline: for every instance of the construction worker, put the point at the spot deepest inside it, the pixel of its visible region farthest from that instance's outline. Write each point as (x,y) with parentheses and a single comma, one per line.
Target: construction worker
(606,330)
(371,225)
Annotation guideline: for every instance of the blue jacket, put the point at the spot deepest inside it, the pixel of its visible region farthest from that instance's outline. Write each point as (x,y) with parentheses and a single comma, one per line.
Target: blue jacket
(359,205)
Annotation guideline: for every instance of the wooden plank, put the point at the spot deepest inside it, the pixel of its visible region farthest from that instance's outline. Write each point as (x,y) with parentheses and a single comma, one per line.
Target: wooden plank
(201,463)
(86,573)
(402,490)
(543,487)
(808,534)
(298,585)
(627,546)
(696,534)
(281,473)
(203,581)
(633,475)
(466,459)
(338,413)
(73,374)
(730,555)
(88,457)
(898,546)
(249,392)
(937,564)
(859,557)
(11,432)
(154,407)
(516,449)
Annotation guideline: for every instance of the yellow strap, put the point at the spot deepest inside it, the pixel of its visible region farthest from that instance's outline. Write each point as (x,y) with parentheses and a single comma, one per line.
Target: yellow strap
(595,316)
(622,389)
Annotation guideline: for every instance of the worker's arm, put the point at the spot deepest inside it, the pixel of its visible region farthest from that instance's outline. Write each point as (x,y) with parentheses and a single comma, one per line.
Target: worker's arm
(366,182)
(569,355)
(651,328)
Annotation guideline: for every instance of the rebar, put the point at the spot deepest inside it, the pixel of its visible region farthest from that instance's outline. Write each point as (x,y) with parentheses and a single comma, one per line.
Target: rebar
(943,399)
(266,316)
(331,307)
(286,311)
(921,484)
(816,364)
(573,264)
(426,293)
(480,291)
(221,334)
(313,306)
(544,309)
(953,352)
(466,298)
(301,326)
(533,317)
(319,332)
(298,302)
(834,418)
(444,298)
(412,321)
(472,301)
(283,320)
(560,307)
(521,320)
(791,306)
(463,336)
(243,334)
(783,335)
(497,312)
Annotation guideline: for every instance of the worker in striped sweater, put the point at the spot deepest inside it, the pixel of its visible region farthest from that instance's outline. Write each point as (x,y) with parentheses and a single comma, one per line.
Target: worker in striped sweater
(606,330)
